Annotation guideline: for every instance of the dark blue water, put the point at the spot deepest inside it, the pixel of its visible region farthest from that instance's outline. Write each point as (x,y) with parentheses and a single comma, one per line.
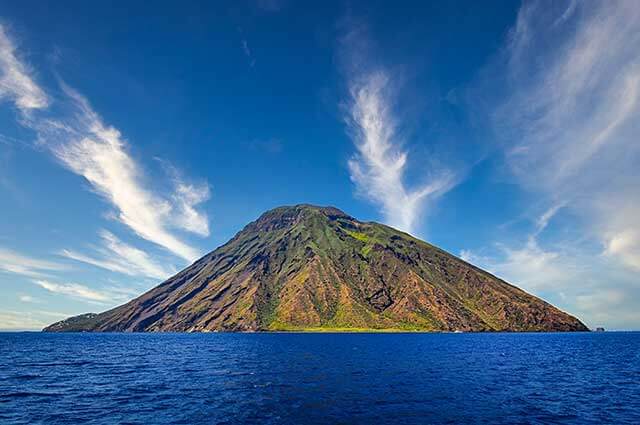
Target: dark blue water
(319,378)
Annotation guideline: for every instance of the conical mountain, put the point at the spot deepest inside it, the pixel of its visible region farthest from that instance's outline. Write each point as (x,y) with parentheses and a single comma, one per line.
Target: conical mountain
(313,268)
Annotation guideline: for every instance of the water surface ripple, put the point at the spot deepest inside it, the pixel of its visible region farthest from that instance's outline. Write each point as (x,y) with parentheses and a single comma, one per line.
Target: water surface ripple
(590,378)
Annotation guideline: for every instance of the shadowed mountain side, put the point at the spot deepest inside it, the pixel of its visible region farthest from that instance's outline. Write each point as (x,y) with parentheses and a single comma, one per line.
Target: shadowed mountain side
(318,269)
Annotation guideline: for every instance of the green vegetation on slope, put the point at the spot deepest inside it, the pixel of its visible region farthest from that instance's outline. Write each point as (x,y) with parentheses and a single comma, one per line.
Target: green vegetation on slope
(307,268)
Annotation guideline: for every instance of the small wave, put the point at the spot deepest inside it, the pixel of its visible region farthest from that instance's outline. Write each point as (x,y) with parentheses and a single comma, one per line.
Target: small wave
(22,394)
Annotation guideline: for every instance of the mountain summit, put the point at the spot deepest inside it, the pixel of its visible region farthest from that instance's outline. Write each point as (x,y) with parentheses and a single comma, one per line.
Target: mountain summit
(316,268)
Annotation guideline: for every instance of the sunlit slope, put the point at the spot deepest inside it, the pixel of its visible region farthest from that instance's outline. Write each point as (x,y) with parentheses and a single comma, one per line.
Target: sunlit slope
(318,269)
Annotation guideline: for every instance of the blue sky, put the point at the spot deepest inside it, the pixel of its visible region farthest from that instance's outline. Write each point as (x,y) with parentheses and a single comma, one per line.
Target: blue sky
(132,141)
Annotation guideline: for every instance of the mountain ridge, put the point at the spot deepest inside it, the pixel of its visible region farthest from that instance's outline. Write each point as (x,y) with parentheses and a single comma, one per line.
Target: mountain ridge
(309,268)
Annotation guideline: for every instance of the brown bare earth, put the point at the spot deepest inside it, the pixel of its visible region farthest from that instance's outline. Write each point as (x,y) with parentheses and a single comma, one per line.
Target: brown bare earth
(307,268)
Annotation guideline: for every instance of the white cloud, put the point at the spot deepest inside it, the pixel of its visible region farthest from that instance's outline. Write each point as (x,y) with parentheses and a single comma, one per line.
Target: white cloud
(595,300)
(618,223)
(378,170)
(100,155)
(572,114)
(567,113)
(543,221)
(567,274)
(529,266)
(13,262)
(79,139)
(185,198)
(28,320)
(625,245)
(27,299)
(15,82)
(74,290)
(85,145)
(120,257)
(107,295)
(611,307)
(16,320)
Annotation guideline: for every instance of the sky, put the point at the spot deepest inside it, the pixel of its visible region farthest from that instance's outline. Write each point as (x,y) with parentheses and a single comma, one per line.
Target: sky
(133,140)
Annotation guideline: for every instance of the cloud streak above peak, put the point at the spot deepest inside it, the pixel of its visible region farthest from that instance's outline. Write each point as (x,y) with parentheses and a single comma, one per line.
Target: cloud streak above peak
(378,169)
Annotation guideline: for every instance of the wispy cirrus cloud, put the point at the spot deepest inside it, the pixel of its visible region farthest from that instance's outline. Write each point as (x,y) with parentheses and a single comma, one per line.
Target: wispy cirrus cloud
(567,118)
(592,287)
(107,295)
(100,155)
(74,290)
(41,272)
(186,197)
(14,262)
(379,167)
(120,257)
(571,117)
(84,144)
(528,265)
(15,81)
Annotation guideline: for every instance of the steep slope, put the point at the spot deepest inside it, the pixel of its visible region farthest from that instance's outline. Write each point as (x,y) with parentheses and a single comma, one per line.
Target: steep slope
(312,268)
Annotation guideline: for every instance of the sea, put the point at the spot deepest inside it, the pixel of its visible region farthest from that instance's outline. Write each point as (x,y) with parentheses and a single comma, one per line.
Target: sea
(305,378)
